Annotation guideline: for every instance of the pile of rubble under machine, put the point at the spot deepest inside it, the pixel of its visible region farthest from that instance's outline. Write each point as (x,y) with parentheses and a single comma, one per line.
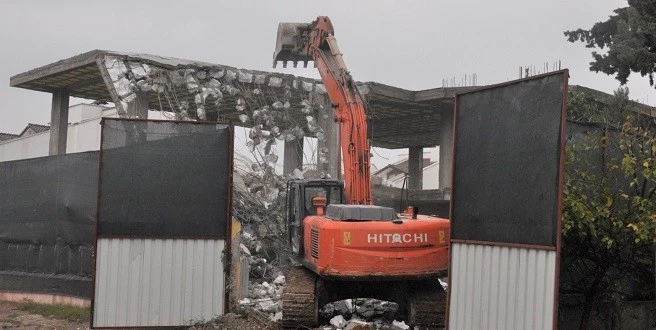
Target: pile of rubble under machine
(259,204)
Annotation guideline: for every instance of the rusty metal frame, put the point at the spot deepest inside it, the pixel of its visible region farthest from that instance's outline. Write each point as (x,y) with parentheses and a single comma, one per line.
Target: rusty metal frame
(228,238)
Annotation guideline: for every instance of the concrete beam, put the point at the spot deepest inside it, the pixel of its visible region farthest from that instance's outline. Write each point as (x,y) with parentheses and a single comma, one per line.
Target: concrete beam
(329,148)
(293,158)
(446,151)
(58,123)
(415,168)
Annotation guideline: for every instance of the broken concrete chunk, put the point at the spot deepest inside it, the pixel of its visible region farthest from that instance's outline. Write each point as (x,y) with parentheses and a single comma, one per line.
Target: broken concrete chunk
(320,88)
(216,74)
(307,86)
(200,113)
(116,68)
(138,71)
(230,75)
(280,280)
(356,324)
(259,79)
(213,83)
(275,82)
(192,84)
(244,249)
(130,97)
(338,321)
(143,85)
(400,324)
(268,306)
(276,317)
(245,77)
(122,87)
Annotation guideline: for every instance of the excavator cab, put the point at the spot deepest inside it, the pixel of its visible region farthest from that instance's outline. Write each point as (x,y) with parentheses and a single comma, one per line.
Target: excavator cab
(300,204)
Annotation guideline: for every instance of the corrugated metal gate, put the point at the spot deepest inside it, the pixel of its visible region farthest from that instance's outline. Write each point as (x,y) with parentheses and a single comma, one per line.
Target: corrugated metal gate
(506,205)
(164,197)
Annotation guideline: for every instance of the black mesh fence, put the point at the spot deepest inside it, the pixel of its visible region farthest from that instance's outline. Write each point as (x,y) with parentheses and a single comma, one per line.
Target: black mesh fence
(47,211)
(164,179)
(506,168)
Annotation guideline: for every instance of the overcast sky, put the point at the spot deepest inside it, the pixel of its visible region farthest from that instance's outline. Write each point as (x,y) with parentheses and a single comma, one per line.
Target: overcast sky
(407,44)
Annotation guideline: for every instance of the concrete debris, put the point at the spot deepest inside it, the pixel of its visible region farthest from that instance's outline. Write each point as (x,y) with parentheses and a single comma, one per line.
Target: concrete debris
(444,284)
(230,75)
(307,86)
(400,324)
(280,280)
(269,306)
(356,324)
(320,88)
(244,249)
(338,321)
(275,82)
(243,77)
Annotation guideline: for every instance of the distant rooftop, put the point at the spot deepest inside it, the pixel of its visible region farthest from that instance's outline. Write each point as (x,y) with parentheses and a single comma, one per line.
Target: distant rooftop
(34,129)
(8,136)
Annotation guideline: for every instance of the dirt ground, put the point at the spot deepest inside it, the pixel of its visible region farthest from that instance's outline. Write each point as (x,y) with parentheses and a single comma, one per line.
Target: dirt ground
(12,318)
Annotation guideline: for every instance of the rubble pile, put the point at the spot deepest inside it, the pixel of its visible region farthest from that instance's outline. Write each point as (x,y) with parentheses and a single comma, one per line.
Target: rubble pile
(266,297)
(339,322)
(364,309)
(264,101)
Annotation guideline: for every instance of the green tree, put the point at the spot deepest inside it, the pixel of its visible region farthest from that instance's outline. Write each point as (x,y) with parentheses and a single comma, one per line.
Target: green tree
(630,38)
(609,208)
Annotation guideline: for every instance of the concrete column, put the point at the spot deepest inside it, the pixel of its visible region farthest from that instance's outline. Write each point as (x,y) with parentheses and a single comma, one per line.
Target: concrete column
(329,147)
(293,156)
(415,167)
(446,148)
(139,106)
(58,123)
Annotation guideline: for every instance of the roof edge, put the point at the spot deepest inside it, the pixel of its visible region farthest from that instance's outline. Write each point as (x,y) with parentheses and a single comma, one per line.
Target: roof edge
(56,67)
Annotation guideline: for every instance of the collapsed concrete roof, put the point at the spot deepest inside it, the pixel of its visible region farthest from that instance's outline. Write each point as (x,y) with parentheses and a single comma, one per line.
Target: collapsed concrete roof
(398,118)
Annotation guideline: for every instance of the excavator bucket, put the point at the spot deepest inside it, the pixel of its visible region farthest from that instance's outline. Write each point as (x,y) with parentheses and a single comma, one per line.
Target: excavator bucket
(289,44)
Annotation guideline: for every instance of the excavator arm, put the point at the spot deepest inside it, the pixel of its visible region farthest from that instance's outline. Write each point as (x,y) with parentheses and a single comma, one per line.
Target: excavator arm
(316,42)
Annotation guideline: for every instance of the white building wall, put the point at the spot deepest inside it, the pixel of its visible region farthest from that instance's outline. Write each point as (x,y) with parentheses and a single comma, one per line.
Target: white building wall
(431,179)
(82,136)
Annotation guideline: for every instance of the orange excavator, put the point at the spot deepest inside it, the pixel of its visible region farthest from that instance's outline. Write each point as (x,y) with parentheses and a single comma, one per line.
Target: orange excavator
(347,247)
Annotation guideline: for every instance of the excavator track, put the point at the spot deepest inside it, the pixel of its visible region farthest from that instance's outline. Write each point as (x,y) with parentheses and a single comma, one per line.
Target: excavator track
(299,300)
(427,306)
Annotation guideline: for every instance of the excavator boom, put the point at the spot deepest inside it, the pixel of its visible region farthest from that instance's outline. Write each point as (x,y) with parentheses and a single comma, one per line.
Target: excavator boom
(316,42)
(351,248)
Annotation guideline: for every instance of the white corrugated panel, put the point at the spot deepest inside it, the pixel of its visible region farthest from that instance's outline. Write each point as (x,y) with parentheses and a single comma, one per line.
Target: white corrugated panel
(157,282)
(494,287)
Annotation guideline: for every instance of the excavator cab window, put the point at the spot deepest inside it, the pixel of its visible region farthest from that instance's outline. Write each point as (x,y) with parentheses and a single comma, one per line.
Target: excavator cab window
(333,195)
